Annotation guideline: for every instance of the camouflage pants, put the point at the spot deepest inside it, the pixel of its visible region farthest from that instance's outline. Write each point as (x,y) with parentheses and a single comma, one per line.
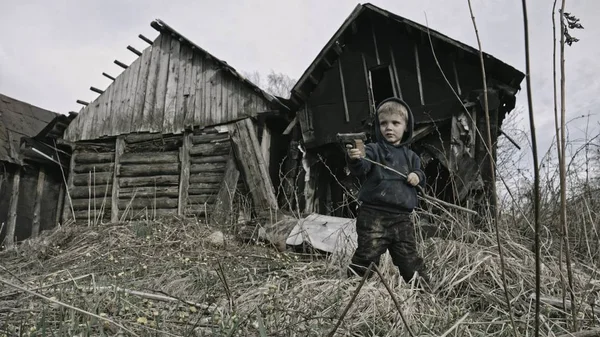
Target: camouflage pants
(378,232)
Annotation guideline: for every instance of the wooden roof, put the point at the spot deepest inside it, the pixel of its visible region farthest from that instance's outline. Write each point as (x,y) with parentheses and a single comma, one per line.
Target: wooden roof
(19,119)
(174,85)
(334,47)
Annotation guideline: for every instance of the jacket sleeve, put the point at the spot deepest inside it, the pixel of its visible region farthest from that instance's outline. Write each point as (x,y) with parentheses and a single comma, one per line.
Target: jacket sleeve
(417,169)
(359,167)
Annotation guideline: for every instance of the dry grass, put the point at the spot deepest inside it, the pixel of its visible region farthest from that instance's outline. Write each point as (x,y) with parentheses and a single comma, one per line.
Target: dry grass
(251,290)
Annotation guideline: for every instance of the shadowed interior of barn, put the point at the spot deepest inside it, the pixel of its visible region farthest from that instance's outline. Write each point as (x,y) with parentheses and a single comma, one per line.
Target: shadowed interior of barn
(31,183)
(376,54)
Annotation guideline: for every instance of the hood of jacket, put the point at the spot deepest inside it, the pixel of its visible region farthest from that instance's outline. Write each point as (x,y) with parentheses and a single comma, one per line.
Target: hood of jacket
(409,123)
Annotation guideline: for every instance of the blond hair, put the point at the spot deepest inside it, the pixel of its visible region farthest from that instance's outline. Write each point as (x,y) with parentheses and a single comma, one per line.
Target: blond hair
(393,108)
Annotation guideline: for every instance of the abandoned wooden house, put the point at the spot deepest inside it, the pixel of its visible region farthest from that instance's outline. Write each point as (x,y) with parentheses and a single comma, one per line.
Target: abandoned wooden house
(376,54)
(31,178)
(176,131)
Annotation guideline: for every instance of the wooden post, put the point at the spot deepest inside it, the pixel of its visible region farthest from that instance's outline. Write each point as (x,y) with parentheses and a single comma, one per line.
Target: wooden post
(114,207)
(12,210)
(343,90)
(419,74)
(247,150)
(59,204)
(265,146)
(184,177)
(35,229)
(68,212)
(224,206)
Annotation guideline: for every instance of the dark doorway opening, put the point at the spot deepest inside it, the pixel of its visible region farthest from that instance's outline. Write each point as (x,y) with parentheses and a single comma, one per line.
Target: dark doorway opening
(381,83)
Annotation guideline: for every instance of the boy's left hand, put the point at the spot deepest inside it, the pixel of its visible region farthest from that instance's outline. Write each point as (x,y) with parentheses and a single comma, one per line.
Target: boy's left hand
(413,179)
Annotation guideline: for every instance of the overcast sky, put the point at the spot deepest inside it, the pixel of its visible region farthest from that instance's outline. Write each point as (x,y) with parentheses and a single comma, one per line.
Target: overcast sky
(52,51)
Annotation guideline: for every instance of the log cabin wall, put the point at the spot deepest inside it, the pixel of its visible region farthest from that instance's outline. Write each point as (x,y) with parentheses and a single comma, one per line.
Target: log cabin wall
(148,176)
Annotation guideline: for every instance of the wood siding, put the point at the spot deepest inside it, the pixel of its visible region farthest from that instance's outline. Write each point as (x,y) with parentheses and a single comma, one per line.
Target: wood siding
(171,87)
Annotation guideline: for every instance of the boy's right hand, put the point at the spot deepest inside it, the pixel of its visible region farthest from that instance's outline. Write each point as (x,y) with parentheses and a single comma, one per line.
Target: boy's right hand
(353,152)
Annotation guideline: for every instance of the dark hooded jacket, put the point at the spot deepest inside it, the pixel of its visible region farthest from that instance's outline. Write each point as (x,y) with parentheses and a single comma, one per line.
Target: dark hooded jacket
(383,189)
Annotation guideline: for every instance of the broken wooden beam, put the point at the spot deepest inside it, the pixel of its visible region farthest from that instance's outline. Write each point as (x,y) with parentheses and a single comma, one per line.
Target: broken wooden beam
(145,39)
(12,210)
(419,80)
(135,51)
(290,126)
(94,89)
(108,76)
(346,113)
(121,64)
(82,102)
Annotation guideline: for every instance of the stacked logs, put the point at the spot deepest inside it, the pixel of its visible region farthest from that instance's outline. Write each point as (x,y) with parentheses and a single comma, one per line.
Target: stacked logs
(91,182)
(148,175)
(209,152)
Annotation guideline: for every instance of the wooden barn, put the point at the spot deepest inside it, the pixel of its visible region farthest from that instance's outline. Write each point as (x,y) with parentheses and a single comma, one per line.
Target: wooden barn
(376,54)
(178,132)
(31,180)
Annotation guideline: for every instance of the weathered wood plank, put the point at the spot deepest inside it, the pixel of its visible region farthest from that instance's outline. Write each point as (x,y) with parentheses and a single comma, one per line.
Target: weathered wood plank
(11,223)
(210,70)
(96,119)
(117,104)
(100,191)
(201,199)
(85,168)
(119,147)
(35,228)
(210,149)
(211,188)
(92,204)
(209,159)
(66,210)
(129,102)
(161,84)
(149,158)
(149,203)
(104,121)
(250,159)
(137,120)
(148,170)
(235,99)
(92,110)
(206,178)
(210,137)
(172,180)
(146,192)
(85,215)
(94,157)
(224,203)
(59,204)
(216,104)
(346,113)
(207,167)
(265,146)
(98,179)
(171,93)
(184,178)
(150,95)
(181,101)
(190,91)
(199,97)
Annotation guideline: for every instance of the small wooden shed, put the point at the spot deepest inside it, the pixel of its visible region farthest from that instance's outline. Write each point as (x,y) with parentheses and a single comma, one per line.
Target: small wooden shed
(30,174)
(374,55)
(175,133)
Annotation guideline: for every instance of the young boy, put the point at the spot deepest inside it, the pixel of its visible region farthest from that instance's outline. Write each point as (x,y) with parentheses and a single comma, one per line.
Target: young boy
(387,199)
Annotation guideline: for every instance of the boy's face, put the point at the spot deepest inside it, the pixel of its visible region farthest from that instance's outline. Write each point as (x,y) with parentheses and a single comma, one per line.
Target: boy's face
(392,127)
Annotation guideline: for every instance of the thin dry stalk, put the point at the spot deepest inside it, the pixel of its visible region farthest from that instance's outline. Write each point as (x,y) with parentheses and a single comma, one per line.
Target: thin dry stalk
(562,165)
(68,306)
(396,303)
(536,176)
(354,295)
(493,187)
